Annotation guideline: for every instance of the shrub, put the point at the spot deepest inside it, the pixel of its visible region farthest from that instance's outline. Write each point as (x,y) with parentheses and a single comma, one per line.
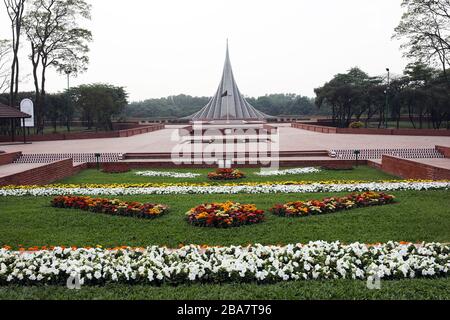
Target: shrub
(111,168)
(356,125)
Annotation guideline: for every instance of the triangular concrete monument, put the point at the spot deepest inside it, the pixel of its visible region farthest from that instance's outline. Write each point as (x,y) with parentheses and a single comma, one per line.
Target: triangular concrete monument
(228,104)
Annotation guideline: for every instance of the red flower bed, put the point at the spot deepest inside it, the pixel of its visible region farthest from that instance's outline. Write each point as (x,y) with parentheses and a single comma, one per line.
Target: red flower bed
(333,204)
(115,169)
(224,215)
(112,207)
(226,174)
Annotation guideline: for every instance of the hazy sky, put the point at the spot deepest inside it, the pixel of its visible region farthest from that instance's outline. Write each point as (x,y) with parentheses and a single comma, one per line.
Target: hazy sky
(158,48)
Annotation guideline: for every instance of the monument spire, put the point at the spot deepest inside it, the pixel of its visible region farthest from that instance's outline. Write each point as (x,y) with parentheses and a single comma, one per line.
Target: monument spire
(228,103)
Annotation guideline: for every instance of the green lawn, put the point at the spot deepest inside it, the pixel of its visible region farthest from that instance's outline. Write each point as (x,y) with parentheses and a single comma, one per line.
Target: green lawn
(301,290)
(359,173)
(418,216)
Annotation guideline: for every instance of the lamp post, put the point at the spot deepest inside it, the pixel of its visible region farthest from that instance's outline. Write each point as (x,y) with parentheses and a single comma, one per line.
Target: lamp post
(357,153)
(386,115)
(97,159)
(68,71)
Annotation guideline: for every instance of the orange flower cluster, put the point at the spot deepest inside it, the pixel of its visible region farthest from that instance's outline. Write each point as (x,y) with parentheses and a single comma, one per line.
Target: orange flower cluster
(112,207)
(333,204)
(224,215)
(226,174)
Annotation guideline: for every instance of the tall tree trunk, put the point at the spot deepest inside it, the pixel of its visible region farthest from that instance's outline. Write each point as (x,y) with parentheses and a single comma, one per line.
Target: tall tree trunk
(35,62)
(15,10)
(13,72)
(42,95)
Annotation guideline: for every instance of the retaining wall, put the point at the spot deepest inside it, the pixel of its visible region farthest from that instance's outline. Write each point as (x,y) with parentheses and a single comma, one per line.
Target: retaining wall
(87,135)
(8,158)
(444,150)
(409,169)
(42,175)
(372,131)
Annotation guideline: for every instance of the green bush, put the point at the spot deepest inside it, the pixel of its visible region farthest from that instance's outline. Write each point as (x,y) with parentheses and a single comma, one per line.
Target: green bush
(356,125)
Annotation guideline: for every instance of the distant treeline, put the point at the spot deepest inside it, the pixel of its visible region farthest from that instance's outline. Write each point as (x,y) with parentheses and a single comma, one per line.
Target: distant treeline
(96,105)
(184,105)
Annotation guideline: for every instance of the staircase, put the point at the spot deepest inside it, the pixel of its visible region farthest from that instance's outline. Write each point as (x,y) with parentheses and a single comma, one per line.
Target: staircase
(192,155)
(77,157)
(372,154)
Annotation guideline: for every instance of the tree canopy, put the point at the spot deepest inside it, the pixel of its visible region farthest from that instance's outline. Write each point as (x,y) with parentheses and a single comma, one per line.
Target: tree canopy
(185,105)
(425,27)
(421,93)
(98,104)
(52,28)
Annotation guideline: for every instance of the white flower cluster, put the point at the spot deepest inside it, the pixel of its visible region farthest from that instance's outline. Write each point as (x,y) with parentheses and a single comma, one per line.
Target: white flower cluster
(264,173)
(155,265)
(188,175)
(227,189)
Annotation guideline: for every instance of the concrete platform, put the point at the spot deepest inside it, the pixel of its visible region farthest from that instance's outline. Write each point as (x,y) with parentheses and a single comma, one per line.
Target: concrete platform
(290,140)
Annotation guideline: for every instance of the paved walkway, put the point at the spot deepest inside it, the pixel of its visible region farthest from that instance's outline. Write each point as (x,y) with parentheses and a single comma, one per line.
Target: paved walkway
(290,140)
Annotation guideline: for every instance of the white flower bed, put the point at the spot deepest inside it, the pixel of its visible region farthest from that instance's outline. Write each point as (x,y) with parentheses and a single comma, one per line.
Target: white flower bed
(155,265)
(287,172)
(250,189)
(188,175)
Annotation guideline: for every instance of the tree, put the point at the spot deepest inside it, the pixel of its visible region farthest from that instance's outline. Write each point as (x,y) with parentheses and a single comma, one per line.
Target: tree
(426,26)
(99,103)
(347,95)
(15,10)
(5,49)
(56,41)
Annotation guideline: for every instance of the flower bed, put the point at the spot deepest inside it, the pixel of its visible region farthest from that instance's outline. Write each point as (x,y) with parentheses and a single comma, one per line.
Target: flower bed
(191,264)
(226,174)
(224,215)
(115,170)
(112,207)
(249,188)
(287,172)
(187,175)
(333,204)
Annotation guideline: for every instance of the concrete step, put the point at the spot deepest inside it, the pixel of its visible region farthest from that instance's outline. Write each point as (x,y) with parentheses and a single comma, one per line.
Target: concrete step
(284,154)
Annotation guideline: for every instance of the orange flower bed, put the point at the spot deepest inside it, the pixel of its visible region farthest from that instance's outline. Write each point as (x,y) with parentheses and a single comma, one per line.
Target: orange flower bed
(224,215)
(112,207)
(226,174)
(333,204)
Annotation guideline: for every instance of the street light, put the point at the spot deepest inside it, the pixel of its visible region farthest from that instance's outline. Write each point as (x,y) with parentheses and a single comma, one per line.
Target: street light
(387,97)
(357,153)
(68,71)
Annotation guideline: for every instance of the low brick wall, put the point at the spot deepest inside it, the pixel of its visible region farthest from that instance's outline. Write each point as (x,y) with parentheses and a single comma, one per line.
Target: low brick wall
(328,164)
(80,167)
(444,150)
(409,169)
(8,158)
(315,128)
(374,164)
(365,131)
(88,135)
(42,175)
(141,130)
(372,131)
